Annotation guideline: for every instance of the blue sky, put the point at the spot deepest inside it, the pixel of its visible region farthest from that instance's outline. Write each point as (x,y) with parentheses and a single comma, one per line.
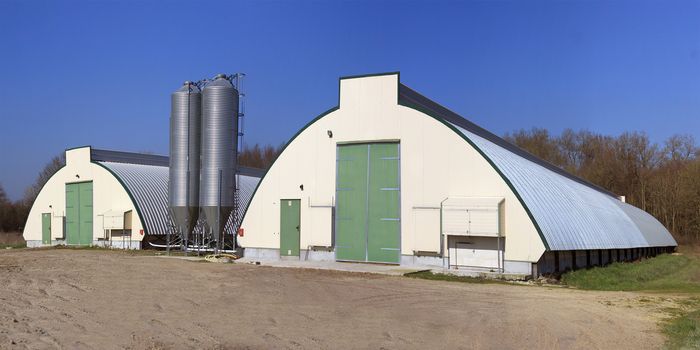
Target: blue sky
(100,72)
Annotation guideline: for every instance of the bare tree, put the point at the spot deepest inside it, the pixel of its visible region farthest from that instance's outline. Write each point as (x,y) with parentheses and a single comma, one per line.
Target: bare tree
(661,180)
(259,157)
(49,169)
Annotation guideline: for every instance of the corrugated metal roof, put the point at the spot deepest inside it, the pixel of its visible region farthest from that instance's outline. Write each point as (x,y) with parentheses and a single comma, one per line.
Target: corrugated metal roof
(148,186)
(570,213)
(410,97)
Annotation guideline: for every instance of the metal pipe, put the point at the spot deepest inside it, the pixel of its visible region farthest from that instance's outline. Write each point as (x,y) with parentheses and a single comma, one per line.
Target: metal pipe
(442,238)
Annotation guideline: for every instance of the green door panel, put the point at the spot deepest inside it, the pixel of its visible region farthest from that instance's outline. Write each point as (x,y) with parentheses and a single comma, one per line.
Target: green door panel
(384,225)
(79,213)
(46,228)
(351,203)
(368,226)
(290,227)
(72,214)
(85,213)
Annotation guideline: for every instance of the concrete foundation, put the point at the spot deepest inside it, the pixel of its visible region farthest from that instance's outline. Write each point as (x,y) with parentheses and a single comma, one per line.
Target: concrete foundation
(102,244)
(426,261)
(408,261)
(517,267)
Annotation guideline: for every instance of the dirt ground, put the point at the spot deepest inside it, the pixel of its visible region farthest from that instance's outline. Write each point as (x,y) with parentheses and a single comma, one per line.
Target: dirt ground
(92,299)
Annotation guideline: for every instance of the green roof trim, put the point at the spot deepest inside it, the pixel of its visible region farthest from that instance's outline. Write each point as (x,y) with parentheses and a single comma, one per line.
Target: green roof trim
(282,151)
(369,75)
(77,147)
(41,189)
(493,165)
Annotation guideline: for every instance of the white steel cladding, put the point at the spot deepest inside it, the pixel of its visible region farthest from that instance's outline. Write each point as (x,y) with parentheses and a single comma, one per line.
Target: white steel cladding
(185,144)
(436,163)
(219,142)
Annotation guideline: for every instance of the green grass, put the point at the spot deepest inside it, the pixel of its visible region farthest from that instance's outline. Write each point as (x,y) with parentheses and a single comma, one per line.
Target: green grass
(665,273)
(13,245)
(427,275)
(683,330)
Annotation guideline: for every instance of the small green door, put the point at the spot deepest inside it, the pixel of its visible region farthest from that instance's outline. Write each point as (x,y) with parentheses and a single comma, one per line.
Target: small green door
(46,228)
(79,213)
(290,227)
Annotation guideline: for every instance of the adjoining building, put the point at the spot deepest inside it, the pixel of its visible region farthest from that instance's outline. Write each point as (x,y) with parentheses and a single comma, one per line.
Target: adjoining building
(389,176)
(111,198)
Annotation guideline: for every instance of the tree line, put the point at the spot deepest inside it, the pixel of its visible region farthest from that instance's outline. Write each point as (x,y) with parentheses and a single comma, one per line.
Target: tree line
(662,179)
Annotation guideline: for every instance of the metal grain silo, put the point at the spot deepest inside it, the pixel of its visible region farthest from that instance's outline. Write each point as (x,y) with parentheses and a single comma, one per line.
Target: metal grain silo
(219,142)
(185,145)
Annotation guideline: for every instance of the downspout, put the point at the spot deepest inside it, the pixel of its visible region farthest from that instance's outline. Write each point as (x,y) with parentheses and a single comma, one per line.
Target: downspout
(442,238)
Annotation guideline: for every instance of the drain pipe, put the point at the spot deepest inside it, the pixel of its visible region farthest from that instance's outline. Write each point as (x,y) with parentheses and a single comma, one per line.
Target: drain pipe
(442,238)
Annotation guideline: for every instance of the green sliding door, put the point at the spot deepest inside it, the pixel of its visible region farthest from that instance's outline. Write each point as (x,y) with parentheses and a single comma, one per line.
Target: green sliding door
(79,213)
(368,226)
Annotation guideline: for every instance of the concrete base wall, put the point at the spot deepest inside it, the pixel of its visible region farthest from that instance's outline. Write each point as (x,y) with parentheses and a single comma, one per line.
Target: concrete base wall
(316,255)
(103,244)
(262,254)
(517,267)
(428,262)
(118,244)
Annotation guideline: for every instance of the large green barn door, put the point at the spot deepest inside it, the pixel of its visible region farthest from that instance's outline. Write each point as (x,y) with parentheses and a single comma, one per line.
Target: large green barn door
(384,225)
(351,203)
(368,203)
(79,213)
(46,228)
(290,227)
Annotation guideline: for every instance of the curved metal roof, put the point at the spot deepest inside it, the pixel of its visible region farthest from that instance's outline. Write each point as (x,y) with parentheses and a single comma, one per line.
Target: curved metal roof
(148,187)
(570,215)
(569,212)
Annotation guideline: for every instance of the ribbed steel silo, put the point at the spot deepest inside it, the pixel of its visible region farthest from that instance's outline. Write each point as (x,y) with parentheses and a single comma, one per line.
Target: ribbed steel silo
(185,146)
(219,142)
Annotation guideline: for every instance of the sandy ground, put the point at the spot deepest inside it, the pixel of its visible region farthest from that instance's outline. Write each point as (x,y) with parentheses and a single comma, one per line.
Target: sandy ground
(88,299)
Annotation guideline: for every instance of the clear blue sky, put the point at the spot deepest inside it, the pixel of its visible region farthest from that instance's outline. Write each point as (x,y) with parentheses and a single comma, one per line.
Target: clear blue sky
(100,73)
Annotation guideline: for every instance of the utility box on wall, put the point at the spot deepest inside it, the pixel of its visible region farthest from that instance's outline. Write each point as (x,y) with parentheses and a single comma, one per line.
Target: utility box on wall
(472,216)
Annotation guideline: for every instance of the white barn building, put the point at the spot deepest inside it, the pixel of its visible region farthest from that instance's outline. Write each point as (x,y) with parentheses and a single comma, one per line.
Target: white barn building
(112,199)
(389,176)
